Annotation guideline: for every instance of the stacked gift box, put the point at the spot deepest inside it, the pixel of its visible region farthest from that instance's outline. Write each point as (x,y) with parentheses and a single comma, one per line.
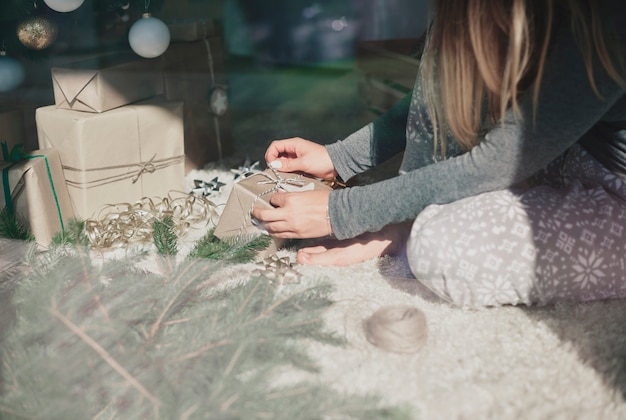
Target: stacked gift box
(118,137)
(121,128)
(194,72)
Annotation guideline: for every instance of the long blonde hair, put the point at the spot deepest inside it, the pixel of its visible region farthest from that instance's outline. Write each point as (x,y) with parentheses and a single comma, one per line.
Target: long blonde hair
(481,54)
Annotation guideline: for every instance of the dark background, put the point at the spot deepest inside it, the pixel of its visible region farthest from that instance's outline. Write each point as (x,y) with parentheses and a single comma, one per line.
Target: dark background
(289,63)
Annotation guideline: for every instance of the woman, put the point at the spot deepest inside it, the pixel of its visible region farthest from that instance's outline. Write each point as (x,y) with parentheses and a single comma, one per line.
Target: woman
(509,92)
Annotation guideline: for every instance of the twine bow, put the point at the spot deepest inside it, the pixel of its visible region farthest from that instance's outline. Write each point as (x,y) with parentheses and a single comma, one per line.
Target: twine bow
(279,181)
(145,167)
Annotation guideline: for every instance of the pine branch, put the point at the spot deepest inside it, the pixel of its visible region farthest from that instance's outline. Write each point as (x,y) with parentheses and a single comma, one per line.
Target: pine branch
(233,251)
(11,227)
(105,356)
(74,234)
(121,342)
(165,238)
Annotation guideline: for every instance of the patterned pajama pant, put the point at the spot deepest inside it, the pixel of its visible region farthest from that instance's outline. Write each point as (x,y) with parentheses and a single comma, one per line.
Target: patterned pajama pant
(560,240)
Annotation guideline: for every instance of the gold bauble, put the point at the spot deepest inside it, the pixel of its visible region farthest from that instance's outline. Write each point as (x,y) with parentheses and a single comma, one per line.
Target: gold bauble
(37,33)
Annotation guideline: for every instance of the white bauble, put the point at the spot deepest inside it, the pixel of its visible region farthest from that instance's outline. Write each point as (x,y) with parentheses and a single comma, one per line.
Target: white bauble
(64,5)
(149,37)
(11,72)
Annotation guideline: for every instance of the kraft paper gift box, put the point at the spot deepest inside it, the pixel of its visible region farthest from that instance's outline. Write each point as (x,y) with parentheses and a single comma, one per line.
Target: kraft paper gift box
(256,191)
(106,82)
(37,194)
(119,156)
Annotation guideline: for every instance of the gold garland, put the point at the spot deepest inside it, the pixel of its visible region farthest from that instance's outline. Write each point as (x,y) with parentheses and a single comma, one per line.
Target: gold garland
(125,224)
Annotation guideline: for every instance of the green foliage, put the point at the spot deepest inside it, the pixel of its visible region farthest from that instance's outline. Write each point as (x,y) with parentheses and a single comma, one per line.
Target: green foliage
(164,235)
(74,234)
(11,227)
(111,341)
(233,251)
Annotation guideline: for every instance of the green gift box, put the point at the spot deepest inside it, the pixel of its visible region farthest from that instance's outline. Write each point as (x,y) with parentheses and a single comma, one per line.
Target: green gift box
(34,190)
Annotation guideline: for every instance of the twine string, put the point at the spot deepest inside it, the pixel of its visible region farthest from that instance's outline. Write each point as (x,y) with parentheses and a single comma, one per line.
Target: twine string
(145,167)
(277,182)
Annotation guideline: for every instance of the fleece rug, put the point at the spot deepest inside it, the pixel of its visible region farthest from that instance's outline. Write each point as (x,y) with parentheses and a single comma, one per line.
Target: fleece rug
(556,362)
(565,361)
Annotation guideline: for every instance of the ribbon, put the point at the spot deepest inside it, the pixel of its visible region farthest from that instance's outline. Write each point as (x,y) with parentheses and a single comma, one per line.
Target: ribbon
(17,155)
(277,182)
(280,181)
(205,188)
(145,167)
(247,169)
(278,268)
(149,166)
(124,224)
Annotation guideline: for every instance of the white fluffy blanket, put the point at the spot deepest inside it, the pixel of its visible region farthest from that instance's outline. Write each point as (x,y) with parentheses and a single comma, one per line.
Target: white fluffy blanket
(557,362)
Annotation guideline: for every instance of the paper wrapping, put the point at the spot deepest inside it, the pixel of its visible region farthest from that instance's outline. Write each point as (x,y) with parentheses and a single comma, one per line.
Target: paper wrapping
(12,126)
(118,156)
(106,82)
(40,198)
(255,191)
(193,72)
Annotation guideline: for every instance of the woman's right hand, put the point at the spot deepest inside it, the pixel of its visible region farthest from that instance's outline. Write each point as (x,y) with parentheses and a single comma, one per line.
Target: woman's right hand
(300,155)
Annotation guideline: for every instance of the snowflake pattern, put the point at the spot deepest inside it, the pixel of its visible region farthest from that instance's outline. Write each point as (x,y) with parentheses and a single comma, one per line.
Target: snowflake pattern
(588,270)
(538,245)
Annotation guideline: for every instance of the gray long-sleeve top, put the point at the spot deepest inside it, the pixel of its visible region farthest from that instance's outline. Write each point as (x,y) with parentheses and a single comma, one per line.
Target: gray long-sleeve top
(509,153)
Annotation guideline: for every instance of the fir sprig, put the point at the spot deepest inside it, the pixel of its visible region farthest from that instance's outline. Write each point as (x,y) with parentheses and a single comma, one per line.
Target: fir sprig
(164,235)
(74,234)
(111,341)
(239,250)
(11,227)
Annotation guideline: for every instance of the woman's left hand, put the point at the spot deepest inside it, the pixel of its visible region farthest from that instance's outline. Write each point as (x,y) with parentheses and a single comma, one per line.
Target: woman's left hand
(296,215)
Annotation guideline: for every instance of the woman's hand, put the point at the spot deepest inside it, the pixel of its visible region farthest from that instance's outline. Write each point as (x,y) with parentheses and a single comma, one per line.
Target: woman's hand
(300,155)
(296,215)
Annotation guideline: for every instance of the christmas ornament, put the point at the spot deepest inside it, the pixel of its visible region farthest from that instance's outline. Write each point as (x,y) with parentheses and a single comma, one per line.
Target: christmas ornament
(64,5)
(11,72)
(218,101)
(37,33)
(149,37)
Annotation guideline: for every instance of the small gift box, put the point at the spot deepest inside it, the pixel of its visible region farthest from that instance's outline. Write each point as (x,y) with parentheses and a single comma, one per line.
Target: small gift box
(34,191)
(118,156)
(255,191)
(106,82)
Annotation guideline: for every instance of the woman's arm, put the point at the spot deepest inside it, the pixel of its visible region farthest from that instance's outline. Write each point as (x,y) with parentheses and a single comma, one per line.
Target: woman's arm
(373,144)
(510,152)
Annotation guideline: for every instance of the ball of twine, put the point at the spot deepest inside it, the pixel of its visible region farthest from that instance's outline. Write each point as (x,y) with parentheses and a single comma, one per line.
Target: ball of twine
(397,329)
